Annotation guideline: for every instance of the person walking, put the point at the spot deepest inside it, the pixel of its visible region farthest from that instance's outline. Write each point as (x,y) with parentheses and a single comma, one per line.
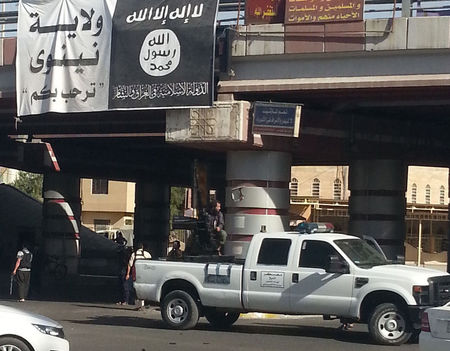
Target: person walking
(22,272)
(139,254)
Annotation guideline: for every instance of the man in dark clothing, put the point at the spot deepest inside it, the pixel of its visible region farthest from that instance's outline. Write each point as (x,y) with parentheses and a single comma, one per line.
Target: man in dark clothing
(216,224)
(22,271)
(175,253)
(120,239)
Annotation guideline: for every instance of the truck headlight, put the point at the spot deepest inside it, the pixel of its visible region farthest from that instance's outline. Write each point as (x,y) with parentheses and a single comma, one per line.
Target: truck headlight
(421,294)
(53,331)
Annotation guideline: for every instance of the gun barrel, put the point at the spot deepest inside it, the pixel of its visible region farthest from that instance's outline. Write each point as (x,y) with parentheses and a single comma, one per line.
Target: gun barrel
(182,222)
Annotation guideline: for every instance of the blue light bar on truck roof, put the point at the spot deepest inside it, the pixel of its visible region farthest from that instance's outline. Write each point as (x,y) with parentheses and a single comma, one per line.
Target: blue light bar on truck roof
(315,227)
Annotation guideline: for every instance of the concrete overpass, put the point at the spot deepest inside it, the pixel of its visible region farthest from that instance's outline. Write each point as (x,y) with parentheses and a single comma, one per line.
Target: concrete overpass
(375,95)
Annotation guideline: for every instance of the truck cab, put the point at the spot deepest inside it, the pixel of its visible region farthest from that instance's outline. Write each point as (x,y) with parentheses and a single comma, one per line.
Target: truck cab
(339,275)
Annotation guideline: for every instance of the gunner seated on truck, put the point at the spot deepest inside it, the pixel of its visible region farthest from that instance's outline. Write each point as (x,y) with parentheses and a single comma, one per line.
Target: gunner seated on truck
(216,223)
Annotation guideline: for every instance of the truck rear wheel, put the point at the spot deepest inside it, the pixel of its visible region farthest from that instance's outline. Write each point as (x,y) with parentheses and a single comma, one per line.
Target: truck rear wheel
(389,325)
(221,319)
(179,310)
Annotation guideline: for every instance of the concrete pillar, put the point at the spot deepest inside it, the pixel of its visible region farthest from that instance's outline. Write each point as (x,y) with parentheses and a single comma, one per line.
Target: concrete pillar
(377,203)
(257,196)
(151,216)
(406,8)
(61,219)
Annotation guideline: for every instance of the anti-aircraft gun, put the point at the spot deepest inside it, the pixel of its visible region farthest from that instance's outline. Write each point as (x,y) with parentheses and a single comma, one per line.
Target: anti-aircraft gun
(199,241)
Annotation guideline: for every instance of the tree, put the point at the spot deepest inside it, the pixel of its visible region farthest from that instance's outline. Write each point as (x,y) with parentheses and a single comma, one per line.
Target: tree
(176,201)
(30,184)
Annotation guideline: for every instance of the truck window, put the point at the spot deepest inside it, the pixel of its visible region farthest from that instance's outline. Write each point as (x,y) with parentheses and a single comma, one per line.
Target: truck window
(361,253)
(274,252)
(314,254)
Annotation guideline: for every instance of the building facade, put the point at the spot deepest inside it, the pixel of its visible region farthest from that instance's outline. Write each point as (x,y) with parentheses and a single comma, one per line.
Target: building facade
(107,204)
(320,193)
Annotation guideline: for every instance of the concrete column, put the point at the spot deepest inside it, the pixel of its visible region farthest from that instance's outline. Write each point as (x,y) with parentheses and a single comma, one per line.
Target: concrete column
(151,216)
(61,219)
(406,8)
(257,196)
(377,203)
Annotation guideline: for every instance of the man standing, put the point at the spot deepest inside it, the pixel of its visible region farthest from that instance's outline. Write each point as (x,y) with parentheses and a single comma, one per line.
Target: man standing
(216,222)
(22,271)
(139,254)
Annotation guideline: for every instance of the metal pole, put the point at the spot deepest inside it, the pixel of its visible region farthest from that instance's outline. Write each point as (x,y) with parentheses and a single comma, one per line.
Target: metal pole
(431,246)
(419,247)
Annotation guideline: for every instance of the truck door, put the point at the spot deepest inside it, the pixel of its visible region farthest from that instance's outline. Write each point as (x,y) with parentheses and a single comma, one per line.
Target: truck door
(266,280)
(315,291)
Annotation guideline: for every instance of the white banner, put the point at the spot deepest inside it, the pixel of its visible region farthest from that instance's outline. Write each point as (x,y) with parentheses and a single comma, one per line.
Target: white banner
(63,55)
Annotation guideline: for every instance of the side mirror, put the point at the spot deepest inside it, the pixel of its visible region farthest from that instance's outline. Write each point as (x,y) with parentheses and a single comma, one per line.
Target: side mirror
(336,265)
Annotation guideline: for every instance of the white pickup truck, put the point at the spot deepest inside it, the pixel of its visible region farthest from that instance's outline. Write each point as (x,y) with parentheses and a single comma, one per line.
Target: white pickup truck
(329,274)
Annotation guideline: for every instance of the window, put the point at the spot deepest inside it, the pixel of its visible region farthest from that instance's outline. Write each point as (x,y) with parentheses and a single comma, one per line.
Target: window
(428,194)
(315,191)
(101,224)
(293,187)
(361,253)
(442,195)
(314,254)
(414,193)
(99,186)
(274,252)
(337,189)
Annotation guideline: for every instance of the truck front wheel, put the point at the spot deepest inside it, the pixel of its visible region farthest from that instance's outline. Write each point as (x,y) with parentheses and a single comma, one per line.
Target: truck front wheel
(221,319)
(389,325)
(179,310)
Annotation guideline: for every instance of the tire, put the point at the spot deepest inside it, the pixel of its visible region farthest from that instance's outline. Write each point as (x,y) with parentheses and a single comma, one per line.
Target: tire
(221,319)
(179,310)
(13,344)
(389,325)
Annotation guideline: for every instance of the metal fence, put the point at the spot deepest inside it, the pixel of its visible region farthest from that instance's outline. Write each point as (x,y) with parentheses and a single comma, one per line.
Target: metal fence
(232,12)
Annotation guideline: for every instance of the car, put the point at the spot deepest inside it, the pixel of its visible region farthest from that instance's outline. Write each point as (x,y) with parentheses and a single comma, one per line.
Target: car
(435,334)
(24,331)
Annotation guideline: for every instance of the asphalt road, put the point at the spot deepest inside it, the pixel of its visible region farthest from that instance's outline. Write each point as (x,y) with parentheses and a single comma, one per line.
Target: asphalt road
(109,327)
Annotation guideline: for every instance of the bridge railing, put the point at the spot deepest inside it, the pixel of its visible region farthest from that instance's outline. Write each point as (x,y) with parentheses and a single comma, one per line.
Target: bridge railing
(232,12)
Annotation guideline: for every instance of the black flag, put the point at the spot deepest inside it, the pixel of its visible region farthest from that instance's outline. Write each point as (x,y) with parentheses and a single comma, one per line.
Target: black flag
(162,53)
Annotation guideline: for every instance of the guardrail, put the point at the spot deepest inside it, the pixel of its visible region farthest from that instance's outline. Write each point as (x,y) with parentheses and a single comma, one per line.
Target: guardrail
(232,12)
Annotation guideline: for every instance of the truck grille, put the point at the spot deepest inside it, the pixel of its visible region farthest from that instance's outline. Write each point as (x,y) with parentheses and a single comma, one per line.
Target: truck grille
(439,290)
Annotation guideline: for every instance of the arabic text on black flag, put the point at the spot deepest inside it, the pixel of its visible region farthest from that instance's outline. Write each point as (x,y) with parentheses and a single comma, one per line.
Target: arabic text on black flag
(162,54)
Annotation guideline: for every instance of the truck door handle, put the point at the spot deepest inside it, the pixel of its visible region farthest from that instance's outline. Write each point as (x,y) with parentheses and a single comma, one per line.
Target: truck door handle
(295,277)
(252,275)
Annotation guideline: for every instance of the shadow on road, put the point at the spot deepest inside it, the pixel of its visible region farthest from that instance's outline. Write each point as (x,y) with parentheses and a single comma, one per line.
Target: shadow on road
(256,327)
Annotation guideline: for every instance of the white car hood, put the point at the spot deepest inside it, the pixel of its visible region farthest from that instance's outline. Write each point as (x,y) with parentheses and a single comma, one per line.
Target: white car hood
(13,314)
(418,275)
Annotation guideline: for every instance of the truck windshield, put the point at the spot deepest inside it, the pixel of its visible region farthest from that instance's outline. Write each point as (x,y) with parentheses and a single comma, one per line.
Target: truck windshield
(361,253)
